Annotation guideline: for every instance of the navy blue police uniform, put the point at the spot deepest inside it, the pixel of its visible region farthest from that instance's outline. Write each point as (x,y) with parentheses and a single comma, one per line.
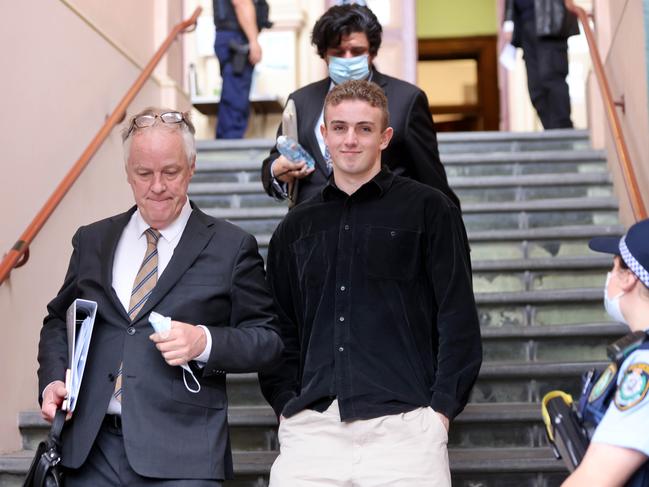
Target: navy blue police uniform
(230,42)
(615,405)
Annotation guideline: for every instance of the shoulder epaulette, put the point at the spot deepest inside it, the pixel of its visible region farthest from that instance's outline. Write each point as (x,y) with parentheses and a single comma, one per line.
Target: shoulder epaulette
(622,348)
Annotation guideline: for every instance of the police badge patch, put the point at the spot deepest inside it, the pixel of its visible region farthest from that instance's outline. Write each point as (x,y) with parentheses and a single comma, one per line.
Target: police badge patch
(603,382)
(633,387)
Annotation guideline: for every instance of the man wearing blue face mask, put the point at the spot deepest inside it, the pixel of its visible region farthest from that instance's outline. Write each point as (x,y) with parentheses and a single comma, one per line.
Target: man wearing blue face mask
(347,38)
(616,401)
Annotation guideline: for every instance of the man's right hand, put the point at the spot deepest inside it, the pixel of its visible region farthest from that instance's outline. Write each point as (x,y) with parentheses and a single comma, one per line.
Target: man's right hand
(287,171)
(53,397)
(254,55)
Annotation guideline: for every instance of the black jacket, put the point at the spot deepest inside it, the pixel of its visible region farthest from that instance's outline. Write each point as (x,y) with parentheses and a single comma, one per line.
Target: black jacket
(412,151)
(552,20)
(215,278)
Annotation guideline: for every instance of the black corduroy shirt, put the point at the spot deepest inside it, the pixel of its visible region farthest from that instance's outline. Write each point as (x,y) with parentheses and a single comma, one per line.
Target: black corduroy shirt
(375,301)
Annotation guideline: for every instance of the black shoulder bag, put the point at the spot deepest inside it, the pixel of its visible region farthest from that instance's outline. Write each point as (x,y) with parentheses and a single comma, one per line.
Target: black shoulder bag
(45,470)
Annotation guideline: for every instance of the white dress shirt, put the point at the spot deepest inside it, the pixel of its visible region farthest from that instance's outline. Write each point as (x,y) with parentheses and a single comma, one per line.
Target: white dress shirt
(129,254)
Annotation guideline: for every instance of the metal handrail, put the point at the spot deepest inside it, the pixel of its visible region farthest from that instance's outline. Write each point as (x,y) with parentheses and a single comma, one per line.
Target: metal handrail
(630,180)
(19,253)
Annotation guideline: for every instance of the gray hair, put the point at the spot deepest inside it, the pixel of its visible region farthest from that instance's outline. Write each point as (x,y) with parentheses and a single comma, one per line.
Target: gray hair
(186,129)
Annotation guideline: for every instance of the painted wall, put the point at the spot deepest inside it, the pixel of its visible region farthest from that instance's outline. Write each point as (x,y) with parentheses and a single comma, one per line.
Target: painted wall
(621,30)
(66,65)
(456,18)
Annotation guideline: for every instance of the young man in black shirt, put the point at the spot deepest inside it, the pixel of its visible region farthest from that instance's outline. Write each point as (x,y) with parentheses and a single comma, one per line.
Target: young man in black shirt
(372,281)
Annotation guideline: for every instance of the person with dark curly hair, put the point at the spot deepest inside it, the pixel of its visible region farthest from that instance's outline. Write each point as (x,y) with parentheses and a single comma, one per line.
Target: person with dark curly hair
(348,38)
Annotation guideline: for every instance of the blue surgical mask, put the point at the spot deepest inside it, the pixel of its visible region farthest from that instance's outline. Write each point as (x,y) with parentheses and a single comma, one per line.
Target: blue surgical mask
(612,305)
(343,69)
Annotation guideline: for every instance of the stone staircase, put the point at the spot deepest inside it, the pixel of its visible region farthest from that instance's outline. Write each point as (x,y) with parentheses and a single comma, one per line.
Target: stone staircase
(530,204)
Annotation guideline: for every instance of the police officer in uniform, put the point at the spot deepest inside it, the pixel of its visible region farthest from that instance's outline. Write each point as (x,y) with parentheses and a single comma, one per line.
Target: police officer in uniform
(617,401)
(238,23)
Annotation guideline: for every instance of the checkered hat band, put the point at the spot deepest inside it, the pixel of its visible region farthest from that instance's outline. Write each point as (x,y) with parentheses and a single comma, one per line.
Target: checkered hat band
(633,264)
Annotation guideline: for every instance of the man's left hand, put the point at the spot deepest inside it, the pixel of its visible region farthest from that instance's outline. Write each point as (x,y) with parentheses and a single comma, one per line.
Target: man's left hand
(183,343)
(445,421)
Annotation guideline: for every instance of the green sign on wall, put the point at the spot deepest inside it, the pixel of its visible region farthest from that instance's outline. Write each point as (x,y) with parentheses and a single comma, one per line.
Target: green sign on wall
(456,18)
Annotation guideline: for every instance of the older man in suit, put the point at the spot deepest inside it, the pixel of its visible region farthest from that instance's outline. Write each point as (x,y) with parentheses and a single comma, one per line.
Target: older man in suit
(348,38)
(137,422)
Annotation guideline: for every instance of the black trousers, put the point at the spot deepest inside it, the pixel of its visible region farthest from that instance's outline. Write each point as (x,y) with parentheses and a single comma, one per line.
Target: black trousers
(107,466)
(546,62)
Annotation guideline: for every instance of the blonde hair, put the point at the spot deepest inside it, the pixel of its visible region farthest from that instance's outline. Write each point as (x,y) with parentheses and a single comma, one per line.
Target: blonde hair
(359,90)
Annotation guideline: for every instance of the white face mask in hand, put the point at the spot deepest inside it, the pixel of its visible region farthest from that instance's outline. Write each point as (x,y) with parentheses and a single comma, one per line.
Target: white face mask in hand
(162,326)
(612,305)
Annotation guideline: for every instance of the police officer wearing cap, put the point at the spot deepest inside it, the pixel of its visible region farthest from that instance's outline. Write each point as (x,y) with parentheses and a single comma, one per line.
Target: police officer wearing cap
(617,401)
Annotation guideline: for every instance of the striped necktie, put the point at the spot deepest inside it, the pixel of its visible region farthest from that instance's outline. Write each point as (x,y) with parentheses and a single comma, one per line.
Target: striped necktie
(145,281)
(147,276)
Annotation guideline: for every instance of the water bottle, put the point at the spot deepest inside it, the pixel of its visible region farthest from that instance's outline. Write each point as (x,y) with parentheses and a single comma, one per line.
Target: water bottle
(293,151)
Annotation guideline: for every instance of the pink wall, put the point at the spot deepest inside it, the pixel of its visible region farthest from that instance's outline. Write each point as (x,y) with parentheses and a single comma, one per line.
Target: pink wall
(65,67)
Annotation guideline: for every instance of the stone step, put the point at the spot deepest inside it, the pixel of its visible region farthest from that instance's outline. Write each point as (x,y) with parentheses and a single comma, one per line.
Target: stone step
(544,264)
(231,165)
(497,382)
(253,428)
(480,460)
(541,307)
(445,140)
(242,163)
(494,229)
(577,179)
(568,232)
(222,145)
(579,233)
(249,159)
(536,247)
(468,197)
(458,183)
(249,193)
(581,330)
(248,169)
(484,467)
(579,342)
(487,467)
(539,279)
(488,141)
(543,242)
(548,205)
(510,275)
(532,157)
(542,296)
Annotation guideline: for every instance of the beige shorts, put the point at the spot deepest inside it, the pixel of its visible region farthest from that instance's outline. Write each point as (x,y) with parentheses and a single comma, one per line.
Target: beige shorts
(317,449)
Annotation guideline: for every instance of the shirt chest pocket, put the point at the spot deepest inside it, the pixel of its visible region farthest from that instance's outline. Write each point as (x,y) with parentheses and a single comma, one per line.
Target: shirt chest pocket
(392,253)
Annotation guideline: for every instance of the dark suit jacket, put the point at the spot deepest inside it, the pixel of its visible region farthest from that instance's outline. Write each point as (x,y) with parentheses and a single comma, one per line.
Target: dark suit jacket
(513,14)
(551,20)
(215,278)
(412,151)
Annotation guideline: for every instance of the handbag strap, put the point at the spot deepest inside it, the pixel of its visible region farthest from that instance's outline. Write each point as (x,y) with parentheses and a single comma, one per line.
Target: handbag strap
(54,436)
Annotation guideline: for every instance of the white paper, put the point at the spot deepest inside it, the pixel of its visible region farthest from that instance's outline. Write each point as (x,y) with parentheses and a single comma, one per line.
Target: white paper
(79,336)
(508,57)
